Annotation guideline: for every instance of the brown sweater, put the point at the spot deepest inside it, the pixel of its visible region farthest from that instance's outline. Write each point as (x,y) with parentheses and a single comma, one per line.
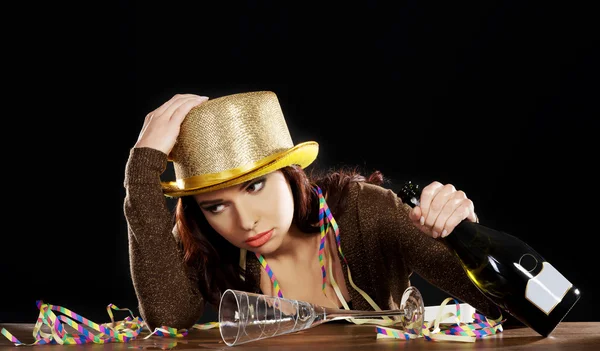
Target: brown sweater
(381,246)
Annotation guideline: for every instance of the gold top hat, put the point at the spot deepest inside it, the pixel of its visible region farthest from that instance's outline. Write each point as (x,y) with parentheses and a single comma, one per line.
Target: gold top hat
(231,139)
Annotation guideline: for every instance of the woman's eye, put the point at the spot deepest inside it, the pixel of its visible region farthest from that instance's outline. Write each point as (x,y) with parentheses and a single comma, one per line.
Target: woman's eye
(215,209)
(254,187)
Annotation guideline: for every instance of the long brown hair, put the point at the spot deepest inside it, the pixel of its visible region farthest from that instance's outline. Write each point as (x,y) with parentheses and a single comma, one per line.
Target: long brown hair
(217,260)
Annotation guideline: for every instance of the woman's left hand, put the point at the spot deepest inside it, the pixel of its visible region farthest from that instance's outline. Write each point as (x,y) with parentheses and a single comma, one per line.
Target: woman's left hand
(441,209)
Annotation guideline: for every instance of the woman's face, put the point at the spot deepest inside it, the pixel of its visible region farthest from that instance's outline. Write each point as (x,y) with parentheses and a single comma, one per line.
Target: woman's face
(255,215)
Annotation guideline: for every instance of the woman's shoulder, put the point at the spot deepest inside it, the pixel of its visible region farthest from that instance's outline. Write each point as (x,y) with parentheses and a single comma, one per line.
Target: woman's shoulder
(372,200)
(372,192)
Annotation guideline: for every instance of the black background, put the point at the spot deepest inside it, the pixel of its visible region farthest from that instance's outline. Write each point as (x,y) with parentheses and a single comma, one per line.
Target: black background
(499,98)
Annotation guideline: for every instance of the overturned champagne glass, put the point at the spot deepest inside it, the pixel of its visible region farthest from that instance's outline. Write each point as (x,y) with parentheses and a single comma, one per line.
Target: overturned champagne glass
(246,317)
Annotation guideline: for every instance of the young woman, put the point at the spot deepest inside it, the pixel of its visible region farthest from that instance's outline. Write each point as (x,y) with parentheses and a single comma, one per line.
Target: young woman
(248,218)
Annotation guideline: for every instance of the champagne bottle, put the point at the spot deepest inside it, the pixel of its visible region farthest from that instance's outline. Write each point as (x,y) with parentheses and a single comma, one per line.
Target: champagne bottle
(508,271)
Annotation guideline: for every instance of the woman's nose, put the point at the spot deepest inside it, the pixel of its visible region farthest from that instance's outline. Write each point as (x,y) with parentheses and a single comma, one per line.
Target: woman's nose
(247,218)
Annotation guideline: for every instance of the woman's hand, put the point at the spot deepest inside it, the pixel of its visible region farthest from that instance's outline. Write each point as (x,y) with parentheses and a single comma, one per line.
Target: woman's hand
(441,209)
(161,126)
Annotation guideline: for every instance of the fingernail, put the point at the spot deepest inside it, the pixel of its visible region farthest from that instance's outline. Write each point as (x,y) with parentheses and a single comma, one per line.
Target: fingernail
(444,233)
(422,220)
(435,234)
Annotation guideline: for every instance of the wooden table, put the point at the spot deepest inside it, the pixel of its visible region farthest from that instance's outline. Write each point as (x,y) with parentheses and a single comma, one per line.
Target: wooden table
(571,336)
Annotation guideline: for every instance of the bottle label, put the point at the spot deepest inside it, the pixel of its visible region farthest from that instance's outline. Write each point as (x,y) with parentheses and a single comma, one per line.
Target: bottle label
(547,289)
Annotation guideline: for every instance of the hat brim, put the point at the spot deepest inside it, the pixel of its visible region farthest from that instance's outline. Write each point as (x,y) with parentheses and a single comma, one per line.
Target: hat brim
(302,155)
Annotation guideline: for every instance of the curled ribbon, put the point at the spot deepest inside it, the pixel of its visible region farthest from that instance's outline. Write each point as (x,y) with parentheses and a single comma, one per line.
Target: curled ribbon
(434,331)
(122,331)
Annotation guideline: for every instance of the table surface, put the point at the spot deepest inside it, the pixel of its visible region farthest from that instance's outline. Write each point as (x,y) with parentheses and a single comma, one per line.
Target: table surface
(572,336)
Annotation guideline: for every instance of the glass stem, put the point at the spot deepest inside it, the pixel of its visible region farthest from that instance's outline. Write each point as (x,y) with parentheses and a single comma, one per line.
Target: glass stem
(336,313)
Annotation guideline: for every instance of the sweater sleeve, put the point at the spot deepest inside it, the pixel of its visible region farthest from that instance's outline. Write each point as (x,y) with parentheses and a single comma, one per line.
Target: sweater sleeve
(166,288)
(419,252)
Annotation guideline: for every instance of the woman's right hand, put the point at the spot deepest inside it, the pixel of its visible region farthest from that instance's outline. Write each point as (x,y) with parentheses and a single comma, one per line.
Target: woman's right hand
(161,126)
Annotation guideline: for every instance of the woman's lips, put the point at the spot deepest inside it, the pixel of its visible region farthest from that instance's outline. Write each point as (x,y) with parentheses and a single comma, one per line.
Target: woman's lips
(259,239)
